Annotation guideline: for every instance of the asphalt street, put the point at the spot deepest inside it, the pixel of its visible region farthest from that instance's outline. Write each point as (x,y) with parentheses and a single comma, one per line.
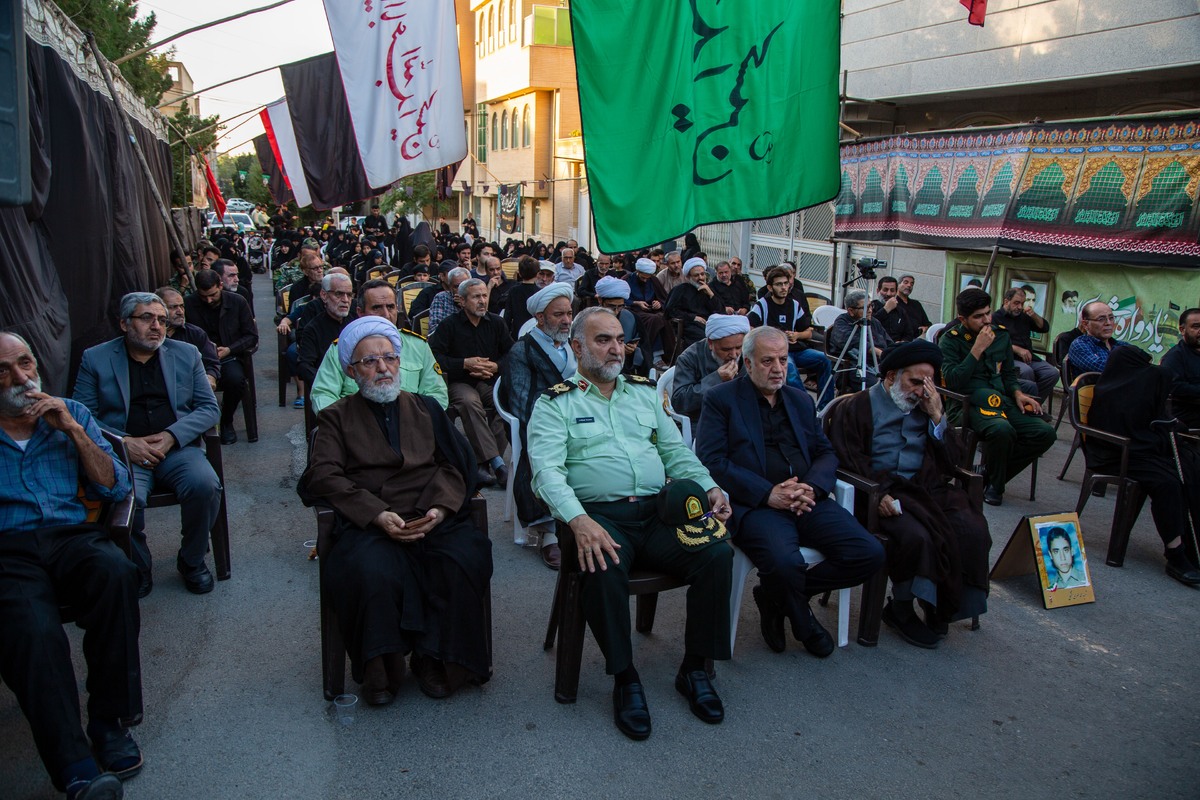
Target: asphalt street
(1091,701)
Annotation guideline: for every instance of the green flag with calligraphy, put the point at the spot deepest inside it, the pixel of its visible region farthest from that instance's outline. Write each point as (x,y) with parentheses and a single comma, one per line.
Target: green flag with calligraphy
(699,111)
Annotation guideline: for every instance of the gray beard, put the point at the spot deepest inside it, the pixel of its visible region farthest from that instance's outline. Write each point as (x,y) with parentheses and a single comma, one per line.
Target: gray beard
(14,400)
(380,393)
(903,402)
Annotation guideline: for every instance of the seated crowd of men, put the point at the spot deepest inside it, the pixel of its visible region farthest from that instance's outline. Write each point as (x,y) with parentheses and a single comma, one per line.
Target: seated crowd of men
(570,342)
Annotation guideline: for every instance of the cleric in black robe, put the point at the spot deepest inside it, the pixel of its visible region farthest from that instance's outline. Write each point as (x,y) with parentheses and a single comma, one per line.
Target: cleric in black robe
(937,549)
(692,302)
(380,457)
(1129,395)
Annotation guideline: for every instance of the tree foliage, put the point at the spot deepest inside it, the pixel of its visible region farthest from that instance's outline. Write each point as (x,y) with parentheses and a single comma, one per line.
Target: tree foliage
(416,194)
(181,161)
(118,31)
(241,176)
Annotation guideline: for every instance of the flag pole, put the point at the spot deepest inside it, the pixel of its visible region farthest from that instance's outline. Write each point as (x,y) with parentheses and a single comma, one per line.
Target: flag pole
(214,86)
(172,232)
(181,34)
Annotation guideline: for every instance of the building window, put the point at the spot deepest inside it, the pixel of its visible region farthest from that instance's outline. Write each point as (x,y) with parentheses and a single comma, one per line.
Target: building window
(491,26)
(500,24)
(481,132)
(549,25)
(526,128)
(480,33)
(504,130)
(512,20)
(537,217)
(513,130)
(495,132)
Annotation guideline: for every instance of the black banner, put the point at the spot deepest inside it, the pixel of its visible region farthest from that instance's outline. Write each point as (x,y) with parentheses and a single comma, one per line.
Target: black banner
(509,208)
(274,172)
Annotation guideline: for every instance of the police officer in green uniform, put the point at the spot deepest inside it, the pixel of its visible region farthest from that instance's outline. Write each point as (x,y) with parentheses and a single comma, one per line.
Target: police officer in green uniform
(419,370)
(601,447)
(978,362)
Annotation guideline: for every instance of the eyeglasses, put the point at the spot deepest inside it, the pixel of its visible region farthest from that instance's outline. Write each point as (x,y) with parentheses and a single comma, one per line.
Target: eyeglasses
(391,359)
(1108,318)
(149,318)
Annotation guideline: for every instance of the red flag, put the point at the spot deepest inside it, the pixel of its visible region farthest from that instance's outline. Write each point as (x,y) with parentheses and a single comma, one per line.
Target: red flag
(977,8)
(214,191)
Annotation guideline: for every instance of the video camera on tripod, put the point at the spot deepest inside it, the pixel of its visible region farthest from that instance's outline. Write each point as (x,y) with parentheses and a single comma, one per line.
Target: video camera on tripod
(867,267)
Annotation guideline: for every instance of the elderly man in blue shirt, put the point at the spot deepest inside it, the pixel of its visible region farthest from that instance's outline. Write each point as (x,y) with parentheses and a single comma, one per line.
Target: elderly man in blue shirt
(52,454)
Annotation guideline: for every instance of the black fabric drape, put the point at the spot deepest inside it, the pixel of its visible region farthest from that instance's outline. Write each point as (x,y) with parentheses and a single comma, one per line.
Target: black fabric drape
(278,187)
(324,132)
(91,232)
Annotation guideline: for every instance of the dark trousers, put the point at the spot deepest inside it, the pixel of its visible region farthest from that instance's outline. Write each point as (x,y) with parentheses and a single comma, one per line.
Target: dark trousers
(1010,442)
(233,386)
(187,473)
(648,544)
(80,567)
(772,539)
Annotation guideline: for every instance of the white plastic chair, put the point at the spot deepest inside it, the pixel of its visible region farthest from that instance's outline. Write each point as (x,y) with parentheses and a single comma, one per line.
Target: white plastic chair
(528,325)
(825,315)
(933,330)
(663,387)
(514,437)
(843,495)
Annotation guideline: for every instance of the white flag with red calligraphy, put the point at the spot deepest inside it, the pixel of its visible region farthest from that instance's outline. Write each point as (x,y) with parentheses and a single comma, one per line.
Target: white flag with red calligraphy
(399,63)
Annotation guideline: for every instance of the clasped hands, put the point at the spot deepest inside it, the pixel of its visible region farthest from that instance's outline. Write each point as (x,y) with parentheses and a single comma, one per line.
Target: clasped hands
(394,525)
(792,495)
(480,367)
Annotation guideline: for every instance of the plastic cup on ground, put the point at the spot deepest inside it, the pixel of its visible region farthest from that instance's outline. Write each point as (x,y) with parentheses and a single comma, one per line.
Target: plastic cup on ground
(344,707)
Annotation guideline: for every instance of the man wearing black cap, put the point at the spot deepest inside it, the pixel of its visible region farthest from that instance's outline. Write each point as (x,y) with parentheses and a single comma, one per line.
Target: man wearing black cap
(979,363)
(760,439)
(896,433)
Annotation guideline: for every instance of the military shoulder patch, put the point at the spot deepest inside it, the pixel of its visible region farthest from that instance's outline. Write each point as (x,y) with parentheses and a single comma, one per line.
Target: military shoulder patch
(999,327)
(412,333)
(640,380)
(559,389)
(953,331)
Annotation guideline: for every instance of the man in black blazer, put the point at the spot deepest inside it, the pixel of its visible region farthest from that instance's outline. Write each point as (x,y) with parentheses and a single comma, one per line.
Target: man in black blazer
(229,323)
(761,442)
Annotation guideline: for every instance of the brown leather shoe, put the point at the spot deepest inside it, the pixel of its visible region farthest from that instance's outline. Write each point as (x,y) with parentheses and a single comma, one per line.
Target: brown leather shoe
(431,676)
(394,664)
(552,556)
(375,683)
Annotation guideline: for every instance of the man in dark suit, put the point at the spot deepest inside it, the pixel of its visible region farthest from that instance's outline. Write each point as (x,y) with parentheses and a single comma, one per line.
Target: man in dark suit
(229,323)
(760,441)
(152,391)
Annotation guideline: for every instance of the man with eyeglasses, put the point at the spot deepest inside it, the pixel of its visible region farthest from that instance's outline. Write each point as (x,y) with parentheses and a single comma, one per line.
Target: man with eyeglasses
(337,295)
(409,571)
(1089,353)
(152,392)
(229,323)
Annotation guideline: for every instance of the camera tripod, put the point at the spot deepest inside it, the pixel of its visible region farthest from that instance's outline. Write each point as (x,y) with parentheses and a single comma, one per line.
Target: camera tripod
(867,362)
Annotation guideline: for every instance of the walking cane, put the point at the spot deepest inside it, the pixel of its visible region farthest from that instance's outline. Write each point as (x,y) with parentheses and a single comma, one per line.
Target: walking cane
(1172,435)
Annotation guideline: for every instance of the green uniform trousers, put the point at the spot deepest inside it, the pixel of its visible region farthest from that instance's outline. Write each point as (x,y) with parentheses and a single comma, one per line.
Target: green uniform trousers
(1011,439)
(648,544)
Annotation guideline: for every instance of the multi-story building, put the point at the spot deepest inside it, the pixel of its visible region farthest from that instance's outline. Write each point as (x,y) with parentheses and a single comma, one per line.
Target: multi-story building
(522,119)
(181,85)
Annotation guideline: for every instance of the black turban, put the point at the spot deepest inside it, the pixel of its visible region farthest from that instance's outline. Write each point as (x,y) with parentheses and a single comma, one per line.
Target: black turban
(905,355)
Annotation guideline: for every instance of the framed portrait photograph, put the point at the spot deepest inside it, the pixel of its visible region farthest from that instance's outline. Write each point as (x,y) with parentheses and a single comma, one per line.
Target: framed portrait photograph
(1061,560)
(1039,295)
(968,275)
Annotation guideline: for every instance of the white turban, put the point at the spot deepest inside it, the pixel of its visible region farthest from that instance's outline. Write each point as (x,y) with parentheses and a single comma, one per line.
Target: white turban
(645,265)
(693,262)
(537,303)
(608,287)
(719,326)
(360,329)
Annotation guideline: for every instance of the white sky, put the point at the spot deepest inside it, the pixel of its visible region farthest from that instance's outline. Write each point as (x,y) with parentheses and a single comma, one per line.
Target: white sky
(289,33)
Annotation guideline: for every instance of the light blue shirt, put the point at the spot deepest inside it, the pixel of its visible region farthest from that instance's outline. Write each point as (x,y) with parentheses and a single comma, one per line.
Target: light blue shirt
(561,356)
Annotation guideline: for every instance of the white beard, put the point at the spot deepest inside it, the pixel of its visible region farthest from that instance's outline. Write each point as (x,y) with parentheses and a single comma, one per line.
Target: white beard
(15,399)
(903,402)
(382,393)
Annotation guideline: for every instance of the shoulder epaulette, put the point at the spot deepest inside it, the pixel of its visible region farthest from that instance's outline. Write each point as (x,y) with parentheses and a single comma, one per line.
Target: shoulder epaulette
(953,331)
(641,380)
(559,389)
(999,326)
(412,333)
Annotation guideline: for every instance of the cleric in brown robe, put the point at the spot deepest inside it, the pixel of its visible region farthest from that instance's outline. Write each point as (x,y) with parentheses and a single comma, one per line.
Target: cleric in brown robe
(895,433)
(408,572)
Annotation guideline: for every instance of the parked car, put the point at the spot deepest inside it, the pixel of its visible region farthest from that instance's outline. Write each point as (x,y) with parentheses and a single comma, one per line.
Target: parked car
(238,204)
(238,220)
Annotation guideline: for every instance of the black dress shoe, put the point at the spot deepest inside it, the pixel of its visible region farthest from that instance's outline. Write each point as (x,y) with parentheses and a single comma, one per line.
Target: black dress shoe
(145,584)
(228,436)
(501,477)
(117,753)
(911,629)
(992,497)
(101,787)
(770,621)
(701,696)
(431,676)
(940,628)
(630,712)
(818,642)
(198,580)
(484,478)
(1188,577)
(375,683)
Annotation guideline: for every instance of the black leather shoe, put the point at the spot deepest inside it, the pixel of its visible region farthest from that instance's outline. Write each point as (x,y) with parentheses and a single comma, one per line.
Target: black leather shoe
(701,696)
(102,787)
(630,712)
(992,497)
(484,478)
(145,584)
(818,642)
(501,477)
(228,436)
(940,628)
(431,676)
(770,621)
(198,580)
(911,630)
(118,753)
(1188,577)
